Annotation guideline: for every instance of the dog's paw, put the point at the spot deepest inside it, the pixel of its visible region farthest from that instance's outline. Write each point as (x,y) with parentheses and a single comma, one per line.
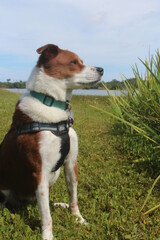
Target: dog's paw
(81,221)
(62,205)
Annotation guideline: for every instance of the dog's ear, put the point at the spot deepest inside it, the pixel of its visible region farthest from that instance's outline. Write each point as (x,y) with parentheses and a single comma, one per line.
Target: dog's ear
(49,50)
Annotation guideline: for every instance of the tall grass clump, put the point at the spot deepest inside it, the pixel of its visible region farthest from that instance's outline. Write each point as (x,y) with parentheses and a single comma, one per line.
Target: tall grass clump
(138,114)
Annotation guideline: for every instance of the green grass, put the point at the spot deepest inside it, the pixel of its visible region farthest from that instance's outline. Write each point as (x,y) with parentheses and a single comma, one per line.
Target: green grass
(111,190)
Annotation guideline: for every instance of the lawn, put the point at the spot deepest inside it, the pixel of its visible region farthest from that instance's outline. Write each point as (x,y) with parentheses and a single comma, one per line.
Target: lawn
(111,188)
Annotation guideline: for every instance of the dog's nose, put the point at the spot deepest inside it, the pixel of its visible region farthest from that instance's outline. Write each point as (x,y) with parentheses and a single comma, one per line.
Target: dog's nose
(100,70)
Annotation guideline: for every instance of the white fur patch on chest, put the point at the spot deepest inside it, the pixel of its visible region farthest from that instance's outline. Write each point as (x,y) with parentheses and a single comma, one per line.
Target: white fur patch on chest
(50,153)
(39,112)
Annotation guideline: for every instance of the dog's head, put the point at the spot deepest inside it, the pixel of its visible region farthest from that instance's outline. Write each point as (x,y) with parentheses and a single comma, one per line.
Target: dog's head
(67,66)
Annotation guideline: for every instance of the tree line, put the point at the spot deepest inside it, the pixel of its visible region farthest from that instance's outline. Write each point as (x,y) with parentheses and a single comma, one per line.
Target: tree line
(8,84)
(112,85)
(115,84)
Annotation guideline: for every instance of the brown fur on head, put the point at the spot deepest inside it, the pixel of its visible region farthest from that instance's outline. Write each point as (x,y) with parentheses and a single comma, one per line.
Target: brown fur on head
(58,63)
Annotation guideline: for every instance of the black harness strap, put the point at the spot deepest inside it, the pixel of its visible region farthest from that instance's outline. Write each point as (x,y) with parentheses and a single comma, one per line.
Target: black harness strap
(56,128)
(65,146)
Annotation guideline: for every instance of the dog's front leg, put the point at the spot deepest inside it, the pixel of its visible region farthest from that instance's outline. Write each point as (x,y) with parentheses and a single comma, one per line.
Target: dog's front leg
(42,194)
(71,177)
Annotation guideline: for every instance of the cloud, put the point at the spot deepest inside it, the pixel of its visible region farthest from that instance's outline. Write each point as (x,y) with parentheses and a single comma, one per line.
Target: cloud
(99,18)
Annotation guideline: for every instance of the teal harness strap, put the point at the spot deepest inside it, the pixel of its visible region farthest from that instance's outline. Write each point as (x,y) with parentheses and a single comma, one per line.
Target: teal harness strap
(49,101)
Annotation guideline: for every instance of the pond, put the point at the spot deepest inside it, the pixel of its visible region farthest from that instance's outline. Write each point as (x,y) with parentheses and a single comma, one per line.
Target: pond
(82,92)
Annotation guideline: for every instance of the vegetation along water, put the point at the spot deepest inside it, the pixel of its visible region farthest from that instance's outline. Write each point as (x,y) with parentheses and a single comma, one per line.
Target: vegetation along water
(118,161)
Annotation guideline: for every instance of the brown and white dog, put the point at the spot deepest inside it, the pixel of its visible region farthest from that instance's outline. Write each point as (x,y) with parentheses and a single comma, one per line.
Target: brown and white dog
(30,159)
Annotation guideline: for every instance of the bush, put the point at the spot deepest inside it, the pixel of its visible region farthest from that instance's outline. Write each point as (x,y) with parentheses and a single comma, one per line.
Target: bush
(138,113)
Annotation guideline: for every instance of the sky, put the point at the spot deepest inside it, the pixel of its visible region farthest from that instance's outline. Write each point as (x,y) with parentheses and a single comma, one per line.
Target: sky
(111,34)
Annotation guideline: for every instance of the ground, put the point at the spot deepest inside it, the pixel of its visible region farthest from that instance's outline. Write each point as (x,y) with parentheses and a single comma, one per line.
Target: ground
(111,190)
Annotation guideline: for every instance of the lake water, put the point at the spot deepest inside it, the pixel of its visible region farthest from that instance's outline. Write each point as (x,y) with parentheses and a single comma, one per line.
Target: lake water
(82,92)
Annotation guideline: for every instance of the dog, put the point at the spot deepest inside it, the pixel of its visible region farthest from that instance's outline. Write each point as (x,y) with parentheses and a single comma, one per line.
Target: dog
(41,138)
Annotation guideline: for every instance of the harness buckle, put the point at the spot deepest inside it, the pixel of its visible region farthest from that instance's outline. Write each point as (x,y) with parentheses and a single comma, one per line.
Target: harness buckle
(68,105)
(48,101)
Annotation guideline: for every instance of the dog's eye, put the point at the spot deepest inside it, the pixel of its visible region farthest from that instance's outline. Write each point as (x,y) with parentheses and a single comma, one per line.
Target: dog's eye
(74,62)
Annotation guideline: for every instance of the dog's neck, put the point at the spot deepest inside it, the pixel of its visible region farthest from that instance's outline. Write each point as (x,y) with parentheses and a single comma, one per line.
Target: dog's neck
(56,88)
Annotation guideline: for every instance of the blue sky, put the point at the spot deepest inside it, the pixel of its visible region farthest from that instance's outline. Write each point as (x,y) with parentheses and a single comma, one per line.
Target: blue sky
(108,33)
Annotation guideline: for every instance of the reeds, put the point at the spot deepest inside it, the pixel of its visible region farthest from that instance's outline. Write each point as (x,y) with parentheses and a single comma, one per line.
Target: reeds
(137,114)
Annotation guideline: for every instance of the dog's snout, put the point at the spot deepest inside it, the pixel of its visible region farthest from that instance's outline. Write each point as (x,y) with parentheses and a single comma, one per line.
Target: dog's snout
(100,70)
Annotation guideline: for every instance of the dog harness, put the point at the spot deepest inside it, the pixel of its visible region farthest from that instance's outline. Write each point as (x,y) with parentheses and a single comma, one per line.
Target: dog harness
(59,129)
